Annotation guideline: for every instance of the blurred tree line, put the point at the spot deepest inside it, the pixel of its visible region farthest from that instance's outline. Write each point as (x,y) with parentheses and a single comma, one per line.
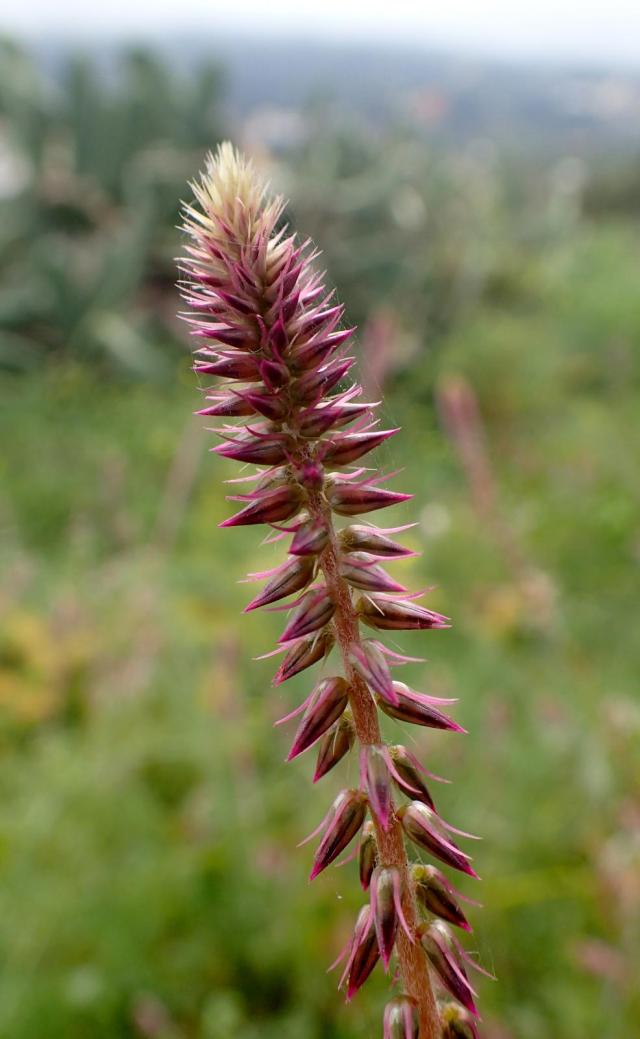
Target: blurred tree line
(94,161)
(91,168)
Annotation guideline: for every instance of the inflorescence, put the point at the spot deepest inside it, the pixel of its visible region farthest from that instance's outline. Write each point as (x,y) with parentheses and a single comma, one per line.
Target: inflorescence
(267,327)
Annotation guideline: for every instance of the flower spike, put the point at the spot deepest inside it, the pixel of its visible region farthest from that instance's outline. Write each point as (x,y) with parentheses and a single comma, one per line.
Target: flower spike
(271,339)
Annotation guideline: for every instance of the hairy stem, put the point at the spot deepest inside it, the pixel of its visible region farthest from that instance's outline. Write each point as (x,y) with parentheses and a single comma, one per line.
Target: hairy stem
(413,962)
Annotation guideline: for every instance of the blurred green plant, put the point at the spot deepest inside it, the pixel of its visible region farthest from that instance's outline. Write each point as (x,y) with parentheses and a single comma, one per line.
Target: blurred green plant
(91,167)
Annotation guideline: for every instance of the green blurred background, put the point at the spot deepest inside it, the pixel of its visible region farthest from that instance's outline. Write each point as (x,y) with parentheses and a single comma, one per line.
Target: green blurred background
(150,884)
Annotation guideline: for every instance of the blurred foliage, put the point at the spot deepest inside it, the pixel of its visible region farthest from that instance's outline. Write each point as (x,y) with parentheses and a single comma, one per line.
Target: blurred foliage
(91,171)
(149,881)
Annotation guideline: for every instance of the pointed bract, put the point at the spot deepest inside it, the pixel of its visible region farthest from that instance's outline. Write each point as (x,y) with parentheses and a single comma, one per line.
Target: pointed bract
(372,540)
(416,708)
(376,781)
(437,895)
(304,654)
(271,507)
(361,571)
(386,908)
(315,610)
(398,615)
(446,957)
(354,500)
(427,830)
(342,824)
(310,538)
(328,701)
(335,743)
(291,577)
(363,953)
(371,664)
(406,772)
(344,450)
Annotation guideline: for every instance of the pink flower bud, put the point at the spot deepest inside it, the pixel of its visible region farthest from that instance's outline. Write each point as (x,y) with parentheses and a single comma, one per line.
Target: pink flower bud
(318,322)
(437,895)
(371,664)
(227,335)
(348,410)
(316,609)
(242,305)
(376,781)
(328,701)
(335,743)
(363,953)
(398,615)
(315,421)
(271,507)
(274,374)
(266,403)
(427,830)
(291,577)
(371,539)
(367,855)
(263,450)
(314,384)
(401,1020)
(361,572)
(351,446)
(351,500)
(417,709)
(226,405)
(386,907)
(310,538)
(304,654)
(228,366)
(447,957)
(345,818)
(315,352)
(406,771)
(457,1023)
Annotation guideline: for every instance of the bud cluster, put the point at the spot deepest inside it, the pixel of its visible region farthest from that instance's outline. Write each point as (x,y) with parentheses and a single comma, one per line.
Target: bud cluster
(265,325)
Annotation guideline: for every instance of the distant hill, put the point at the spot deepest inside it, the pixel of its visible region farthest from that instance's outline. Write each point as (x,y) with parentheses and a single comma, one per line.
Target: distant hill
(534,106)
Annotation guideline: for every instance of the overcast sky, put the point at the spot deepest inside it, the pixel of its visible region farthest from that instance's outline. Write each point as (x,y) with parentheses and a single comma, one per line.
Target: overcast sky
(579,29)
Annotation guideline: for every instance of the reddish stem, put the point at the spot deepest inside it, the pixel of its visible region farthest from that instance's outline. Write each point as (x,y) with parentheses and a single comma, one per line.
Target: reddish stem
(413,962)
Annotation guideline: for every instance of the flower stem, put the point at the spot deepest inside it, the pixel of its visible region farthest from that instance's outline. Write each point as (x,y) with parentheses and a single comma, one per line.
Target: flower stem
(413,962)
